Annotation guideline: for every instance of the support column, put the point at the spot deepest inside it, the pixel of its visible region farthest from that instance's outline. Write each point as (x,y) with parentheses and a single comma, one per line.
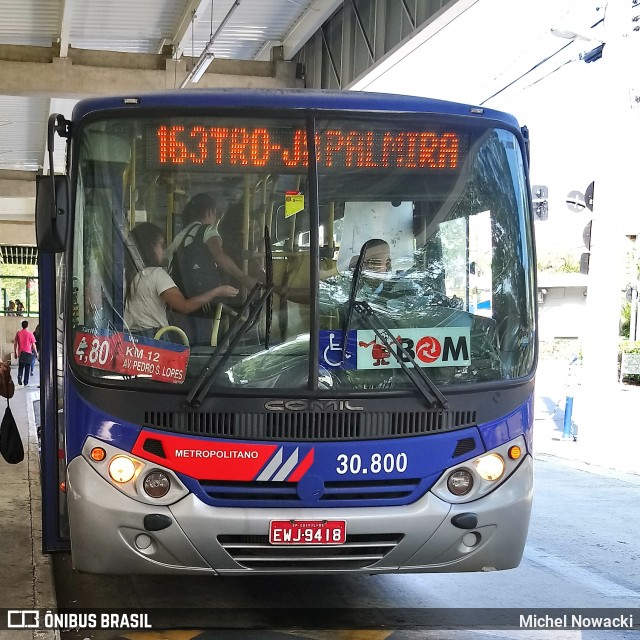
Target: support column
(615,136)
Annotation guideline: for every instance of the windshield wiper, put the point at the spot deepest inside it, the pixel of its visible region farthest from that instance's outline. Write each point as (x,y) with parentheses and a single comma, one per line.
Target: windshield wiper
(227,345)
(416,374)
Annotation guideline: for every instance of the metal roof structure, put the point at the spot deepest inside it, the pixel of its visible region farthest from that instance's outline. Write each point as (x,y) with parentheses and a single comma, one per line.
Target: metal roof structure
(54,52)
(86,42)
(17,254)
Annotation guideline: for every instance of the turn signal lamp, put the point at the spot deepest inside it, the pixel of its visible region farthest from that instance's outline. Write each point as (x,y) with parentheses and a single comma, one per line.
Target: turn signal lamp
(490,467)
(98,454)
(122,469)
(515,452)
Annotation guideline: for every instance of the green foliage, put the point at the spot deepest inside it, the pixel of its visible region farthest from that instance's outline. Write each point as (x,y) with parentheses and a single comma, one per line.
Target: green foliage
(554,263)
(20,270)
(19,282)
(628,346)
(560,349)
(625,320)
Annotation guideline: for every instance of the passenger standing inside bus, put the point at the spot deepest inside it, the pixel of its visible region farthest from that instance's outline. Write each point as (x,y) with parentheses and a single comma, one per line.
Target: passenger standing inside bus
(202,209)
(24,349)
(150,289)
(198,261)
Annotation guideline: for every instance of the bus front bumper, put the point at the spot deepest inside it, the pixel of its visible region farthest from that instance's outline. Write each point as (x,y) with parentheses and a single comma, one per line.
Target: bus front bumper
(108,533)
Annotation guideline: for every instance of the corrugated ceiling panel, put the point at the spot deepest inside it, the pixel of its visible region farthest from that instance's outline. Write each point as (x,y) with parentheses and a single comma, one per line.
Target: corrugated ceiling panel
(23,127)
(141,26)
(124,25)
(29,22)
(252,23)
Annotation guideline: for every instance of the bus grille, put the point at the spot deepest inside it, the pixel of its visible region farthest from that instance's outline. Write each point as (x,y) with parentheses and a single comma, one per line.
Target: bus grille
(359,551)
(316,425)
(285,494)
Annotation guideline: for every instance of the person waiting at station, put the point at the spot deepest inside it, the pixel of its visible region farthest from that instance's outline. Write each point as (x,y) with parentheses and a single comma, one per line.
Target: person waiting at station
(24,349)
(150,290)
(11,308)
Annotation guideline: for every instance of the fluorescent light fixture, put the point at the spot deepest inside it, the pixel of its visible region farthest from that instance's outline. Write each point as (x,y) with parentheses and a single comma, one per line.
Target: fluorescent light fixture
(201,65)
(206,57)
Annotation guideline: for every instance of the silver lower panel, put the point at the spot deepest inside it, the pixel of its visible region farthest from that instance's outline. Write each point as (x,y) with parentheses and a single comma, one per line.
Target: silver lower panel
(108,534)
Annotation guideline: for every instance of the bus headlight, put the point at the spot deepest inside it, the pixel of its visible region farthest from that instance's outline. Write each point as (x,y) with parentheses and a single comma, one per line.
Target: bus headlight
(471,479)
(122,469)
(134,477)
(460,482)
(156,484)
(490,467)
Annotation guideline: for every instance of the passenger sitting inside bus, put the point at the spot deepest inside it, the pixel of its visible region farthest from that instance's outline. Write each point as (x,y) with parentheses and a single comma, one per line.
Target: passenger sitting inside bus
(150,289)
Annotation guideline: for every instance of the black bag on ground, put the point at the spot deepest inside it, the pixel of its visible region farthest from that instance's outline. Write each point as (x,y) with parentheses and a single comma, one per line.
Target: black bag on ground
(10,442)
(193,268)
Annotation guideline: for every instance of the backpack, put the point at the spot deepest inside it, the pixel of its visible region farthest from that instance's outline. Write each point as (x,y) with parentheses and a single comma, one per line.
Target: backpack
(193,268)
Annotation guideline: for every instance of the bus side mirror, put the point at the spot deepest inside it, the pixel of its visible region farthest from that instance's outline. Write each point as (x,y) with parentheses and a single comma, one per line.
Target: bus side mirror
(52,213)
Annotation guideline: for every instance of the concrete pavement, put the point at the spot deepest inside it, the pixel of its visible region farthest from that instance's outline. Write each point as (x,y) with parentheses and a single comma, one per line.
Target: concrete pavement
(603,421)
(26,577)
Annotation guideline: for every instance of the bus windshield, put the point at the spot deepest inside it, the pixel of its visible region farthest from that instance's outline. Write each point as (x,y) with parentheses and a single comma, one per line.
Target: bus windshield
(309,227)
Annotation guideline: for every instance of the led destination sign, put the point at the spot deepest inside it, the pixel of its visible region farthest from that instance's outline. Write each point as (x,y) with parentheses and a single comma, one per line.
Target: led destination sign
(200,146)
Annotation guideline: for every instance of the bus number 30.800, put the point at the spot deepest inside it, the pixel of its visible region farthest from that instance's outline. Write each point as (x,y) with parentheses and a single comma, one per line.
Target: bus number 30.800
(378,463)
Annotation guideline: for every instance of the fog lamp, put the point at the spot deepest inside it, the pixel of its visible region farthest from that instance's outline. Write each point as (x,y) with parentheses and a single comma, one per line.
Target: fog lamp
(460,482)
(157,484)
(490,467)
(122,469)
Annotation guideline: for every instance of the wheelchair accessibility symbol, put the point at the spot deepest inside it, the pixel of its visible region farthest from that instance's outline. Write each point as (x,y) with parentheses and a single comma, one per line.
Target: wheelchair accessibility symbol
(331,349)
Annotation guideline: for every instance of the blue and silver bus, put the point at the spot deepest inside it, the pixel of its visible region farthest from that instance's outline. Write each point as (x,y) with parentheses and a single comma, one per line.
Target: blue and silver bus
(363,404)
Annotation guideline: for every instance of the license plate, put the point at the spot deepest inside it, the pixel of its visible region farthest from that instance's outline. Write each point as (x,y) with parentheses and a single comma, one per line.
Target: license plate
(307,531)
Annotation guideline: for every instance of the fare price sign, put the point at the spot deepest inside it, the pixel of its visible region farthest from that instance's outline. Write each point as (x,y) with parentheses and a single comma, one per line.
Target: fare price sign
(204,146)
(131,355)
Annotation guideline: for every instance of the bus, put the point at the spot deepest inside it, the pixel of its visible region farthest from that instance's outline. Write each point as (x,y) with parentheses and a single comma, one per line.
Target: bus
(347,412)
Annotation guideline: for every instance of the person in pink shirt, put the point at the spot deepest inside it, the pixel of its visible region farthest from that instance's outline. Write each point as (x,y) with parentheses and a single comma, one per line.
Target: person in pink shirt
(24,348)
